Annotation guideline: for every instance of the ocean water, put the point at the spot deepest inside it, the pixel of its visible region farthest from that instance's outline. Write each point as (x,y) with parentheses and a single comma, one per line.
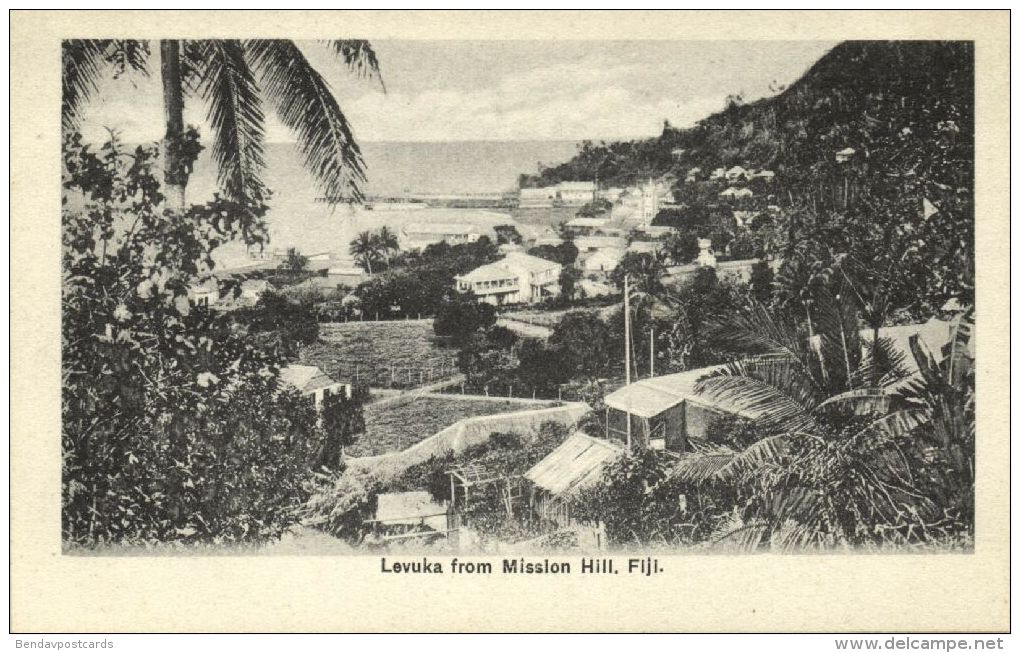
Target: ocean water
(297,220)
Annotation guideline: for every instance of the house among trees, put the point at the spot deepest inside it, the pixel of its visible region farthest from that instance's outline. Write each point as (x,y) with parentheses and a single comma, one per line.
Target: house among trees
(420,235)
(312,382)
(253,289)
(574,465)
(665,412)
(575,193)
(403,515)
(205,293)
(586,225)
(595,243)
(603,260)
(737,173)
(518,278)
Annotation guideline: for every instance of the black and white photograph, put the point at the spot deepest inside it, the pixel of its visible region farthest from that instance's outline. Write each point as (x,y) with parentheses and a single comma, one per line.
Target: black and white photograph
(517,306)
(595,296)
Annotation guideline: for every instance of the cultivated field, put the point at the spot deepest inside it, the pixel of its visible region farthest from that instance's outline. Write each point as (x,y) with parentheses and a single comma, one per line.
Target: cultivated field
(382,354)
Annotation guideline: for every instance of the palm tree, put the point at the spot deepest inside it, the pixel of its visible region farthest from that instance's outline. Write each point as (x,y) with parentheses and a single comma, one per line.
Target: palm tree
(233,78)
(388,243)
(365,248)
(838,458)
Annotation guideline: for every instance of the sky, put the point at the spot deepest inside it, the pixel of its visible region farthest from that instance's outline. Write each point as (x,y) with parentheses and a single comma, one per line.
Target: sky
(507,90)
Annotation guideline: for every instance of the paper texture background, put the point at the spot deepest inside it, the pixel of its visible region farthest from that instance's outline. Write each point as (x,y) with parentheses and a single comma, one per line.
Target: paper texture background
(55,592)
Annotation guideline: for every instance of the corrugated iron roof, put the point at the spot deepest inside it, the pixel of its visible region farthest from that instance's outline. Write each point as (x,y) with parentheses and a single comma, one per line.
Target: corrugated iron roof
(573,465)
(650,397)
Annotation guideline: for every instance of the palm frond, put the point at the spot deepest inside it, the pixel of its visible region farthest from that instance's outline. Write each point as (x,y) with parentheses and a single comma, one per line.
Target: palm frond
(756,329)
(359,57)
(898,423)
(699,467)
(767,452)
(235,113)
(734,533)
(891,364)
(839,338)
(83,62)
(306,105)
(862,401)
(775,393)
(957,350)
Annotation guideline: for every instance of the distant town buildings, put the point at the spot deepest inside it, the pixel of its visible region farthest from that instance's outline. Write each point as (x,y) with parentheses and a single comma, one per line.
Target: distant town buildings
(566,193)
(516,279)
(420,235)
(611,194)
(603,260)
(586,225)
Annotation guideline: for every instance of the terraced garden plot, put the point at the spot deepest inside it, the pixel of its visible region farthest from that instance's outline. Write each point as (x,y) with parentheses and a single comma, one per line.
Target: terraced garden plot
(396,426)
(382,354)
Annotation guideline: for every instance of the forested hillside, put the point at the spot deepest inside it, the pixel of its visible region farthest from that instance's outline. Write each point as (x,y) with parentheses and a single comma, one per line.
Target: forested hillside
(872,151)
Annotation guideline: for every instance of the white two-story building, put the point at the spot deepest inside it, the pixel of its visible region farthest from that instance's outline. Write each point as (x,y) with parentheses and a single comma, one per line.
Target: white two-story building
(517,279)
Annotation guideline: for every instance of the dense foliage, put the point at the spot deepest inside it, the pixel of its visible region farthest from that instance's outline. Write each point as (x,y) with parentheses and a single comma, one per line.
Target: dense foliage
(174,426)
(417,283)
(461,316)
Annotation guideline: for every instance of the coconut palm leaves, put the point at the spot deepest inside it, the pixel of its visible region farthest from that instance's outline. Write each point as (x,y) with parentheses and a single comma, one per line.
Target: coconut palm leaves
(366,249)
(944,392)
(228,87)
(234,78)
(305,104)
(86,61)
(839,461)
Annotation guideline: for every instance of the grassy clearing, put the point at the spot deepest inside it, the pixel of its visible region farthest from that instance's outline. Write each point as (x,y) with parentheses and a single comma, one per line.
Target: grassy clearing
(396,426)
(383,354)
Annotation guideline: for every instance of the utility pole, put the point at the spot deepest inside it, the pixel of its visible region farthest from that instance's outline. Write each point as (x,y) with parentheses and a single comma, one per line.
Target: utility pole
(651,353)
(626,344)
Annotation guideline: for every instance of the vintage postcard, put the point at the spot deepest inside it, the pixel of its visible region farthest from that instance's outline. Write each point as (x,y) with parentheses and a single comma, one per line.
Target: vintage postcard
(503,321)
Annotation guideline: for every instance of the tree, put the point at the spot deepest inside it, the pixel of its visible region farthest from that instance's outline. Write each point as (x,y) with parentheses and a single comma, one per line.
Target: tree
(839,462)
(507,234)
(569,276)
(681,247)
(233,78)
(582,340)
(462,316)
(295,262)
(761,281)
(343,419)
(173,425)
(565,253)
(388,243)
(644,271)
(366,249)
(280,324)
